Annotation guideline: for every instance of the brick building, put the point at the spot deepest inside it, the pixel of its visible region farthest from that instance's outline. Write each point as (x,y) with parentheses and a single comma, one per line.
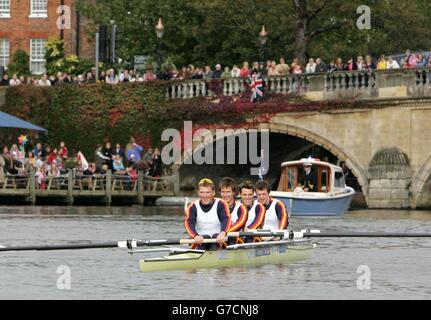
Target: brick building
(27,24)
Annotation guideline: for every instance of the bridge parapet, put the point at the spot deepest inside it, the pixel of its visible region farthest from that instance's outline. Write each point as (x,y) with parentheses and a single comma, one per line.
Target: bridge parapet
(382,84)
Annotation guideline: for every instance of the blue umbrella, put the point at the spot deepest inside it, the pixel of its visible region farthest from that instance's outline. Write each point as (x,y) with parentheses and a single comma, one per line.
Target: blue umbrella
(9,121)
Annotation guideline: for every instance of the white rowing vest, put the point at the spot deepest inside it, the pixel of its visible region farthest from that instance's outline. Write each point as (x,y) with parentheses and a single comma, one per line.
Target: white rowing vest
(271,221)
(252,213)
(234,214)
(207,223)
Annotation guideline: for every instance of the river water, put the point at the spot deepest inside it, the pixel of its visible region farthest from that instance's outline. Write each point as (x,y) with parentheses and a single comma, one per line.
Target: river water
(337,269)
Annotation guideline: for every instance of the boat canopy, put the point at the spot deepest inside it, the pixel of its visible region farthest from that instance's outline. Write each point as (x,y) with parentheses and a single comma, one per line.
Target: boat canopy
(327,177)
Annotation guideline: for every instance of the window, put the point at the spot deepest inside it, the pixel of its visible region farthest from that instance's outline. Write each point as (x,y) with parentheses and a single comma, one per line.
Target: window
(4,52)
(339,180)
(37,56)
(39,9)
(4,8)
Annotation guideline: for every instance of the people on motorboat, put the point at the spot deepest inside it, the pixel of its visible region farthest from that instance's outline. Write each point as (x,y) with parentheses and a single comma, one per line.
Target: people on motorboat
(238,211)
(208,218)
(308,178)
(256,211)
(276,216)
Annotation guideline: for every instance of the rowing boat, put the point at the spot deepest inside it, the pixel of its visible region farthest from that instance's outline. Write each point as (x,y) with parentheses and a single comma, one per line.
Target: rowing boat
(253,254)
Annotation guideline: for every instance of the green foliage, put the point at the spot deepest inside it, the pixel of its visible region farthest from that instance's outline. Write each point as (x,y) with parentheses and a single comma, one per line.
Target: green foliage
(19,63)
(225,31)
(54,55)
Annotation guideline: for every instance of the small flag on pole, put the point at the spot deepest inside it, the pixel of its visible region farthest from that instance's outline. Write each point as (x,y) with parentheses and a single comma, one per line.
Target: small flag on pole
(256,87)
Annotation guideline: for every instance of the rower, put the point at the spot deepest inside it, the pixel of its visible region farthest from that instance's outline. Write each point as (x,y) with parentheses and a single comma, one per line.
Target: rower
(208,217)
(238,212)
(256,211)
(276,217)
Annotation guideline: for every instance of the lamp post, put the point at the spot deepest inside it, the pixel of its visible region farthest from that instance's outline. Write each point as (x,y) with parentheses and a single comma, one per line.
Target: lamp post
(263,37)
(114,29)
(159,33)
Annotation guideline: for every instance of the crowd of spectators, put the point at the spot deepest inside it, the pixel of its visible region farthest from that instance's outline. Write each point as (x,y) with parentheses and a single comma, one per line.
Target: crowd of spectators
(54,162)
(271,68)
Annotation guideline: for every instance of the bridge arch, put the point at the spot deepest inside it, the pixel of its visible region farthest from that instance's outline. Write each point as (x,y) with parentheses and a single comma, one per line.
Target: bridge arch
(316,138)
(421,186)
(312,137)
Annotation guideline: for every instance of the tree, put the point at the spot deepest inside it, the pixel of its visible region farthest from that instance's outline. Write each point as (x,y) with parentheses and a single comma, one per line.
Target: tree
(19,63)
(225,31)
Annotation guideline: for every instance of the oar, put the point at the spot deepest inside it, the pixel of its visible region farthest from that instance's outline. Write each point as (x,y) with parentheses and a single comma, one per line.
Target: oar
(329,234)
(129,244)
(341,234)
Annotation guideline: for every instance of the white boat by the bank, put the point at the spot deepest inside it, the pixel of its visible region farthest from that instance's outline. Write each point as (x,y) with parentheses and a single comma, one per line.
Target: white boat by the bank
(332,196)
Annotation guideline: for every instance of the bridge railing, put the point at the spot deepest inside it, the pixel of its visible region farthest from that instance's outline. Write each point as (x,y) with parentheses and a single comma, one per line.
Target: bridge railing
(322,86)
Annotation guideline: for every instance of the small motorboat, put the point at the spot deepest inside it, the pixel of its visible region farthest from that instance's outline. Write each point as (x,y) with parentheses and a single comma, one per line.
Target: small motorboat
(328,194)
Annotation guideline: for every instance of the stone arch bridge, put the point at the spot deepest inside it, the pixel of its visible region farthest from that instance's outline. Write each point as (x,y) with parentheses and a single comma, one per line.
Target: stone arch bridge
(387,146)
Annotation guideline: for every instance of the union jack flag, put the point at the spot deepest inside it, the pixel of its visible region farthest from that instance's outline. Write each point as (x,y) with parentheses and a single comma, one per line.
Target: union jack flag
(256,87)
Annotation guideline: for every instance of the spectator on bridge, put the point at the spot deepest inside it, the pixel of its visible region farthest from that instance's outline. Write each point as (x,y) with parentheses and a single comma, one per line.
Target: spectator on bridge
(382,64)
(293,65)
(282,67)
(332,67)
(320,66)
(236,72)
(311,66)
(226,73)
(297,69)
(268,65)
(369,63)
(393,64)
(339,64)
(217,72)
(421,61)
(208,74)
(184,74)
(351,65)
(199,73)
(272,71)
(360,62)
(245,70)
